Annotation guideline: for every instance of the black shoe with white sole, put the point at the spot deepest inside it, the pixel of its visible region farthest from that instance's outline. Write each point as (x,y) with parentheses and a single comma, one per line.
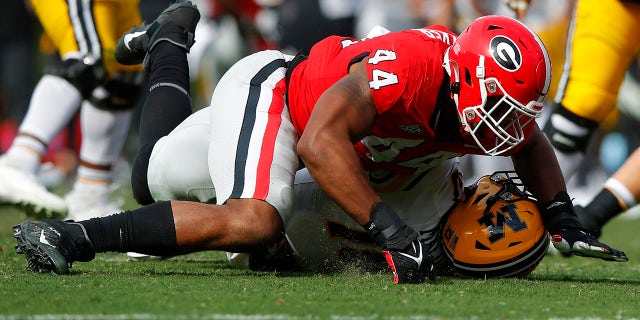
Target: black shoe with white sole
(176,24)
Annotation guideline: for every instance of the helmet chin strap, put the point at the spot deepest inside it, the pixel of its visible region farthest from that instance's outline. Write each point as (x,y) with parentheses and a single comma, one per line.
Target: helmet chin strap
(454,87)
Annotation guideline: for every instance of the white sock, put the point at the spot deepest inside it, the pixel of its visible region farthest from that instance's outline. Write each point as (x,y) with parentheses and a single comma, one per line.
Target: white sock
(92,176)
(91,184)
(53,103)
(25,154)
(103,134)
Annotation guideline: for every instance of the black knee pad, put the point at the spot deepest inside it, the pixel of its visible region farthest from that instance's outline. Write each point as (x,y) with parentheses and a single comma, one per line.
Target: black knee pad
(120,92)
(139,184)
(562,137)
(84,74)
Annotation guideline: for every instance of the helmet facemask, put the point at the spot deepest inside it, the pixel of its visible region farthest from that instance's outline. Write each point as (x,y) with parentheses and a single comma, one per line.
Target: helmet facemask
(497,124)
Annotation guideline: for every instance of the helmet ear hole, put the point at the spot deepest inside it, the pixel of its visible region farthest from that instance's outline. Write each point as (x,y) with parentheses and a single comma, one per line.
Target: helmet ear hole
(467,77)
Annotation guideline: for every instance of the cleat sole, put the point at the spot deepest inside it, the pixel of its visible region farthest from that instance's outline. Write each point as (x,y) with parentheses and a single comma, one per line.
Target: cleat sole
(39,260)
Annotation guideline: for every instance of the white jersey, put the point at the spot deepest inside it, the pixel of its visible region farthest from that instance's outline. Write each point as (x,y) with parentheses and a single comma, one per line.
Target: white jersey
(324,237)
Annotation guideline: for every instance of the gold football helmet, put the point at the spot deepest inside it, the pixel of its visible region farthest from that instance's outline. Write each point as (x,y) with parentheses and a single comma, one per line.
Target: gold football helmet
(495,230)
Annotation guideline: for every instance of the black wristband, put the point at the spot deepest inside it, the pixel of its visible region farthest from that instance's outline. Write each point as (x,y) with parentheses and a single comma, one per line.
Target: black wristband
(559,213)
(387,229)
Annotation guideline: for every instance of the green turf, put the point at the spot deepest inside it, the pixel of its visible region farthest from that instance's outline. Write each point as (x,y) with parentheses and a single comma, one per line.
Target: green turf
(203,286)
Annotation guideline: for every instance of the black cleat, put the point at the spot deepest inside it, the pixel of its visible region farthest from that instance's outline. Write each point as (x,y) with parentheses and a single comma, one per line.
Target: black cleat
(50,246)
(176,24)
(411,265)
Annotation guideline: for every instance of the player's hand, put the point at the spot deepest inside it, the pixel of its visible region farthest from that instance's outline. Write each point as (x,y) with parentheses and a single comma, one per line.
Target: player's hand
(519,6)
(581,243)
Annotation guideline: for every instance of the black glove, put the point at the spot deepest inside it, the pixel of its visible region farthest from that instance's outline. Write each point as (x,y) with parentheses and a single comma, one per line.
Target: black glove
(569,237)
(409,258)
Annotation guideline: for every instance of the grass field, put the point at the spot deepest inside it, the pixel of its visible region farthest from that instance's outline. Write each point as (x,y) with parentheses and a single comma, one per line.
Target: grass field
(203,286)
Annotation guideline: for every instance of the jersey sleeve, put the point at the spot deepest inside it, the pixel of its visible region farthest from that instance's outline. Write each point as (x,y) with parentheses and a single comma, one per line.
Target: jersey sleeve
(405,66)
(388,69)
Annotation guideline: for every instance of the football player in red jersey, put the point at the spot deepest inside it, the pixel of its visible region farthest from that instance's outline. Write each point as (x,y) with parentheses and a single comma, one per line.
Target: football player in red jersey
(369,118)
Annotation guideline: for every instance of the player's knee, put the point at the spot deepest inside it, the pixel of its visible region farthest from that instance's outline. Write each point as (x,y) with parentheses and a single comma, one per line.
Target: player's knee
(85,75)
(120,92)
(139,181)
(259,221)
(270,229)
(569,132)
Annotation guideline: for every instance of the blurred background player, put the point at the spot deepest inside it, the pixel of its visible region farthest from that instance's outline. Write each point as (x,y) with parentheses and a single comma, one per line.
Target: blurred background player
(228,31)
(602,44)
(88,78)
(17,54)
(618,194)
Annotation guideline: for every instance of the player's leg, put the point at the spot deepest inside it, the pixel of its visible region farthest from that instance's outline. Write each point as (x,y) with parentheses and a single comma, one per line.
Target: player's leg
(103,135)
(170,228)
(166,105)
(618,194)
(65,84)
(247,218)
(105,116)
(167,102)
(21,163)
(603,42)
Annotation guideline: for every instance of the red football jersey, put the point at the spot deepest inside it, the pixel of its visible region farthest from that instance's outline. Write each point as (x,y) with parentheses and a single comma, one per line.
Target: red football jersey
(413,131)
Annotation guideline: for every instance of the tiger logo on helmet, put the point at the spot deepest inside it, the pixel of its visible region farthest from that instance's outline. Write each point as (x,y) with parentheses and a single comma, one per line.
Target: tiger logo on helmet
(495,230)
